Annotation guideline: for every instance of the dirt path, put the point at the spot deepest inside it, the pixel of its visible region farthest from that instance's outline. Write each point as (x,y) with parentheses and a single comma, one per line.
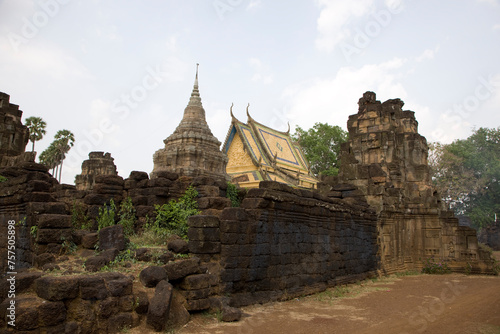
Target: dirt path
(451,303)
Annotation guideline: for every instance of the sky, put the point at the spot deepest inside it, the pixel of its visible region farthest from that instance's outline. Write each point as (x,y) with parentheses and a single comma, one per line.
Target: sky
(118,74)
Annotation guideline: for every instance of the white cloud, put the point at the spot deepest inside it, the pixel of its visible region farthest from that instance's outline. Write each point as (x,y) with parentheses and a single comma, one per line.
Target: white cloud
(44,60)
(332,100)
(427,54)
(496,27)
(254,4)
(489,2)
(478,108)
(261,71)
(394,4)
(12,13)
(334,17)
(109,33)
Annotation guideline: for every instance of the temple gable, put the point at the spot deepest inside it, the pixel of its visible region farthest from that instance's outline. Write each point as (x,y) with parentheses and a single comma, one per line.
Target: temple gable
(258,153)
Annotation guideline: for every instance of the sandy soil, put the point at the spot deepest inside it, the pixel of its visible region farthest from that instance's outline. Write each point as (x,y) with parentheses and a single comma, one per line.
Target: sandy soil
(452,303)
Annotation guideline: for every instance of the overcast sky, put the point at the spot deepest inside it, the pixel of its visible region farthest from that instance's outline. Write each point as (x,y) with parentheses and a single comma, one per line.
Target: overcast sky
(119,74)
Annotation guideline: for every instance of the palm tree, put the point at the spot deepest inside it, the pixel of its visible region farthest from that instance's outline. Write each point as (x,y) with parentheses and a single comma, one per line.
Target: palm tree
(50,157)
(64,140)
(36,127)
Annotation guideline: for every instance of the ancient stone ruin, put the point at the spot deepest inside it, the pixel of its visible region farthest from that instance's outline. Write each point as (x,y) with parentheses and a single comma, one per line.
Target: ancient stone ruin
(97,164)
(490,236)
(386,159)
(14,135)
(380,216)
(192,150)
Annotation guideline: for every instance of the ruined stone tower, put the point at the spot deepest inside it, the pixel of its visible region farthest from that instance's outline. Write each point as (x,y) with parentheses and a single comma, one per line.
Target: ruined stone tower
(192,150)
(13,134)
(386,159)
(97,164)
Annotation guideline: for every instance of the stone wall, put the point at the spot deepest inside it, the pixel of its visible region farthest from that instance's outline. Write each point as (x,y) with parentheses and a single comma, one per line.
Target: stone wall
(284,242)
(490,236)
(101,303)
(26,198)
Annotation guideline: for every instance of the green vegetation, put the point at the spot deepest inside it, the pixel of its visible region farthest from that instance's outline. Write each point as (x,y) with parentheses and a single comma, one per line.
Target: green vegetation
(232,194)
(216,314)
(467,173)
(150,236)
(171,218)
(79,219)
(106,215)
(3,179)
(126,216)
(433,267)
(468,269)
(55,154)
(321,146)
(34,231)
(36,127)
(68,247)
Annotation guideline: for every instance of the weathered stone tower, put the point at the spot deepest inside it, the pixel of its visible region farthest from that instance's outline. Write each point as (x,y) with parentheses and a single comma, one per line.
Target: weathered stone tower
(192,150)
(13,134)
(97,164)
(386,159)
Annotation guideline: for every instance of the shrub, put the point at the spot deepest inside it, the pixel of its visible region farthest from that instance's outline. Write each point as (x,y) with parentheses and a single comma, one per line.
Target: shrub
(106,215)
(433,267)
(232,194)
(171,218)
(127,217)
(79,219)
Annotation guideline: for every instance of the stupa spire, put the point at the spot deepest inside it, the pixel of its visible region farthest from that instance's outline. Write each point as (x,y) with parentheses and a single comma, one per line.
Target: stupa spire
(195,99)
(192,150)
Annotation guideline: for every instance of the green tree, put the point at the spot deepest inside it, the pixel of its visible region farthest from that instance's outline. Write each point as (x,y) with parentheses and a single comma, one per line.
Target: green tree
(54,155)
(64,140)
(321,146)
(36,127)
(50,157)
(467,173)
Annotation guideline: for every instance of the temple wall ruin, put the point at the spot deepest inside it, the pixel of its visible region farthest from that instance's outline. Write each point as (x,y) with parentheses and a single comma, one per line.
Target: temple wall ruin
(284,242)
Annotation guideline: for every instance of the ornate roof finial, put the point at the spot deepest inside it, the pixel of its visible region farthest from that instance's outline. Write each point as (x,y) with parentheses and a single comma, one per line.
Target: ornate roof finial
(231,110)
(248,114)
(288,132)
(195,99)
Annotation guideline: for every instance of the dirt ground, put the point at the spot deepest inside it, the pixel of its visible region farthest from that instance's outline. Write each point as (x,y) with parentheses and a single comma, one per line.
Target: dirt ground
(452,303)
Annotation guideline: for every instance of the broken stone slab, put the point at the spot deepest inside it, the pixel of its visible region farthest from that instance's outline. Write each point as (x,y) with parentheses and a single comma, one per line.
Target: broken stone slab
(56,288)
(159,306)
(178,246)
(112,237)
(180,269)
(152,275)
(230,314)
